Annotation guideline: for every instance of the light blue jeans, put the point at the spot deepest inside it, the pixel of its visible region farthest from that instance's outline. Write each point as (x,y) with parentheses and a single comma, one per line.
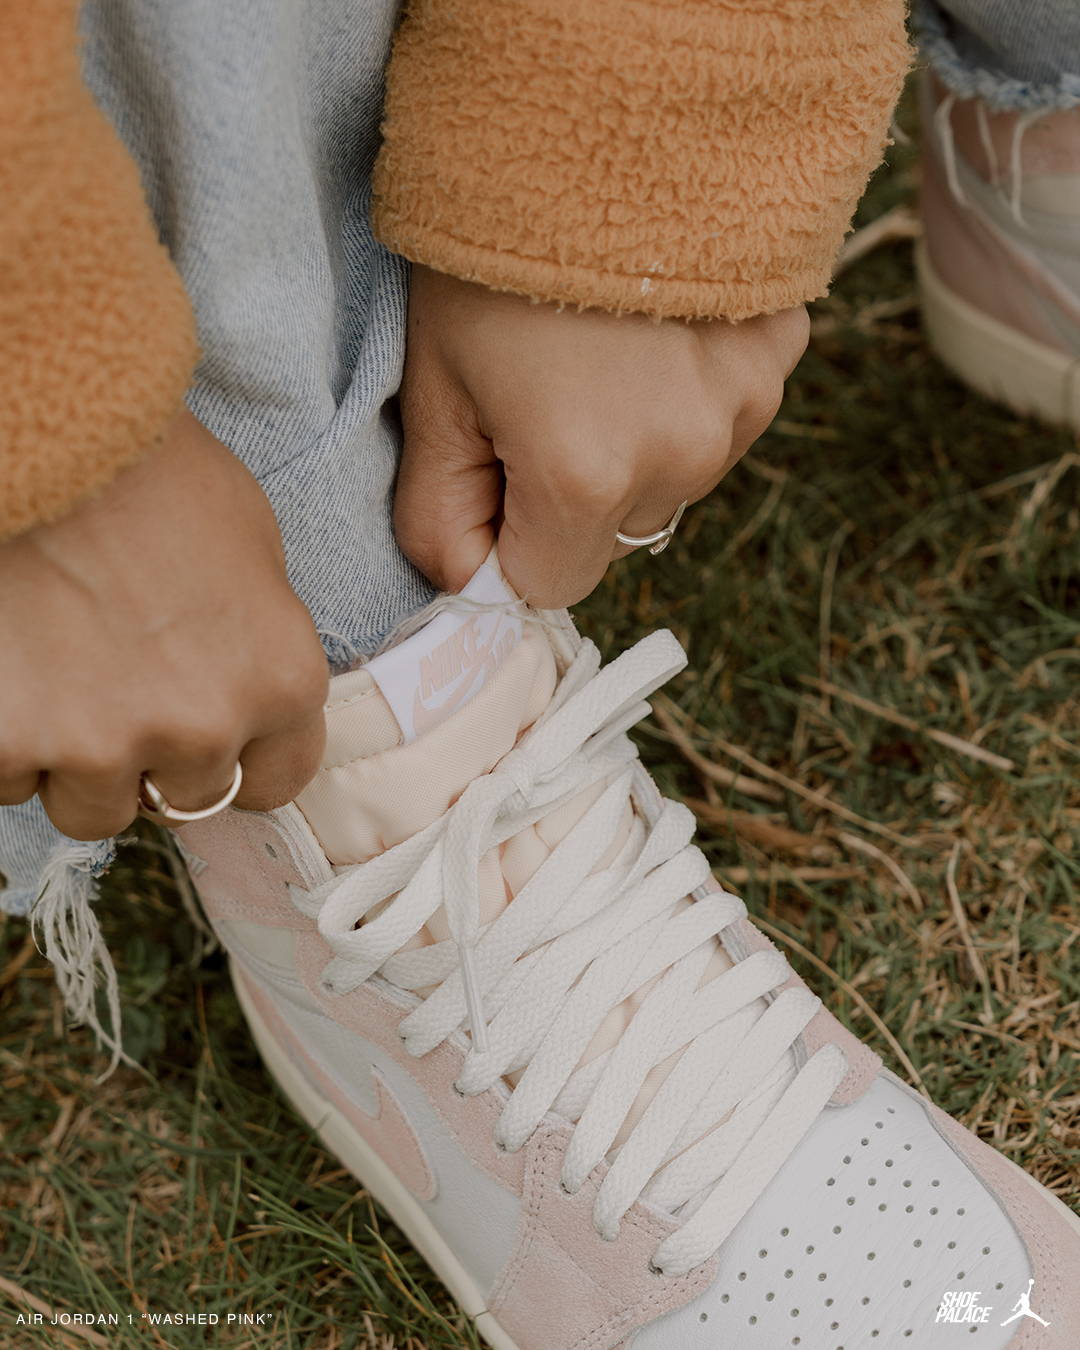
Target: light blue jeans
(255,124)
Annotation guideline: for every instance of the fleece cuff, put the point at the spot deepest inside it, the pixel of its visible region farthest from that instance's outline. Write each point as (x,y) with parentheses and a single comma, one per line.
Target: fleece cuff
(97,341)
(696,158)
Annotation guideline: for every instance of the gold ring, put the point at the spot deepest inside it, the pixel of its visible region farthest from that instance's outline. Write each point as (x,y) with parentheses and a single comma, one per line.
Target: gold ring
(658,540)
(154,805)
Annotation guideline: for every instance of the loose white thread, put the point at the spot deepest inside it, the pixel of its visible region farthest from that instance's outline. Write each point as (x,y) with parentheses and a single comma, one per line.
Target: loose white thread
(943,126)
(64,923)
(1016,178)
(983,120)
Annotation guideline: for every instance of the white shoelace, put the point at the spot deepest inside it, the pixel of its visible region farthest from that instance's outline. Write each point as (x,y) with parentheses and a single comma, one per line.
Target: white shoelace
(533,986)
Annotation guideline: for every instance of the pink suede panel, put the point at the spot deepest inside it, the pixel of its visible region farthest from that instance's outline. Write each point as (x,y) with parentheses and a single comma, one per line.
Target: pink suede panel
(388,1131)
(587,1293)
(863,1064)
(1053,1244)
(250,869)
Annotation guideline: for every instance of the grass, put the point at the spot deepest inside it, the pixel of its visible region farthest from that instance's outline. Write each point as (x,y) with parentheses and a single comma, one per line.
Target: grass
(894,547)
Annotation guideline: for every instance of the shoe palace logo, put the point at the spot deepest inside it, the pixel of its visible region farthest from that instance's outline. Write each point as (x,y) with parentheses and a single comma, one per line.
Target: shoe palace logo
(964,1306)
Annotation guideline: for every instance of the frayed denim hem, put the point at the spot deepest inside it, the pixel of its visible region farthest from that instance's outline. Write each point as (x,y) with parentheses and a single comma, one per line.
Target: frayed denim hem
(1000,92)
(95,859)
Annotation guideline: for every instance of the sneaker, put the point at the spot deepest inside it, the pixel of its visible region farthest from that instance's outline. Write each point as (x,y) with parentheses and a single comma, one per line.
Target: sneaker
(483,959)
(999,262)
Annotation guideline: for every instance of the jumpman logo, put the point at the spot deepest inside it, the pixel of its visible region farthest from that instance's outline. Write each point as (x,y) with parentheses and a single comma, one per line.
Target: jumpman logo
(1023,1308)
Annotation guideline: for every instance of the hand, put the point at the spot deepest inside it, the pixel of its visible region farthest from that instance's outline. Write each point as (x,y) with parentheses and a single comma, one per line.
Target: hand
(551,429)
(153,629)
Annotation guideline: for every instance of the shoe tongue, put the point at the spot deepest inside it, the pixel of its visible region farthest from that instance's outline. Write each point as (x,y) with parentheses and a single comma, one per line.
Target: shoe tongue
(409,731)
(438,670)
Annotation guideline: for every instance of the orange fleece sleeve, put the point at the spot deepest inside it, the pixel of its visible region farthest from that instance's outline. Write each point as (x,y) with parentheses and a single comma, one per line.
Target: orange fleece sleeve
(689,158)
(97,340)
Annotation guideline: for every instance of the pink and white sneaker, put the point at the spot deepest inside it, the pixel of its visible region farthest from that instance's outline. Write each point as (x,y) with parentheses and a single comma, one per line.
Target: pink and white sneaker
(483,958)
(999,263)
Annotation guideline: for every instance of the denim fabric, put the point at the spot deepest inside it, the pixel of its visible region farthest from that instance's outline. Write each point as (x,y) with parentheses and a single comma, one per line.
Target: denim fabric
(1013,54)
(255,124)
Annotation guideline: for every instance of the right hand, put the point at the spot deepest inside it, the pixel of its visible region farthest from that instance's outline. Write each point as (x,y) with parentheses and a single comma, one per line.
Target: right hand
(153,630)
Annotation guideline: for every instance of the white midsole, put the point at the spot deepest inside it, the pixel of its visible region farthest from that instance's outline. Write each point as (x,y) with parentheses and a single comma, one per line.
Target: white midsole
(372,1173)
(1000,362)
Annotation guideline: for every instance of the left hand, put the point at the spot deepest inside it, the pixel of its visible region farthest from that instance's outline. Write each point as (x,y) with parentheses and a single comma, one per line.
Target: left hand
(550,429)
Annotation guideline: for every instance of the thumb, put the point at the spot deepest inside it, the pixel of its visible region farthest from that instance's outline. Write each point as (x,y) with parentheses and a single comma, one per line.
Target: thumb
(449,485)
(557,535)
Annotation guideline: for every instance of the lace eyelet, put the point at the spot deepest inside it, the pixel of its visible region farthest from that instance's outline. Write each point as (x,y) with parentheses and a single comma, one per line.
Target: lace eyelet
(654,1268)
(564,1187)
(459,1091)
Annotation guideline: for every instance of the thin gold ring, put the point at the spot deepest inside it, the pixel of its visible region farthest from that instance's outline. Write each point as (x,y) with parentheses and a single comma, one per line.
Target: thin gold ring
(154,805)
(658,540)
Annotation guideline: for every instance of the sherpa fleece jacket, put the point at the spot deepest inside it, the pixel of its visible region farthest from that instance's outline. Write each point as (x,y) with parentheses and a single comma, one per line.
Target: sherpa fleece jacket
(680,158)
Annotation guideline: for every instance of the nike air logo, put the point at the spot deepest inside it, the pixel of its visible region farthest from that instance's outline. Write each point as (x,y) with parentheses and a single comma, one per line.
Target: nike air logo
(457,669)
(433,673)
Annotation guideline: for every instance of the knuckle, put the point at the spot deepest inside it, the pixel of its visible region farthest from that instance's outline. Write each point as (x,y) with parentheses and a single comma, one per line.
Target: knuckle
(702,451)
(14,765)
(299,685)
(595,489)
(200,739)
(416,533)
(102,761)
(91,826)
(769,403)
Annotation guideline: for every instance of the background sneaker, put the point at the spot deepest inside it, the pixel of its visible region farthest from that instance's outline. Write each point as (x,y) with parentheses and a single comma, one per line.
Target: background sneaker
(999,262)
(484,960)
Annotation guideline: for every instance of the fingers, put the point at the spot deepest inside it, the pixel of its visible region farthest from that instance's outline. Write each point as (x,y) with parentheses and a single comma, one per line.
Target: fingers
(90,790)
(560,514)
(279,766)
(92,798)
(17,782)
(288,728)
(648,517)
(449,485)
(191,779)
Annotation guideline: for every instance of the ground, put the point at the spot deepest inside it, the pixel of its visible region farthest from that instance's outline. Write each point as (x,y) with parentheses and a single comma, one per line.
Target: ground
(882,611)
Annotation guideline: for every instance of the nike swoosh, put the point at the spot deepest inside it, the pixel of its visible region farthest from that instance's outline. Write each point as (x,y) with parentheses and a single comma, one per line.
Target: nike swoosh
(387,1131)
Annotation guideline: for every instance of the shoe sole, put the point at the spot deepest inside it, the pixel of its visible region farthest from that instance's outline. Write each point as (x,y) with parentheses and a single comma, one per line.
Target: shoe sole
(376,1178)
(372,1173)
(998,361)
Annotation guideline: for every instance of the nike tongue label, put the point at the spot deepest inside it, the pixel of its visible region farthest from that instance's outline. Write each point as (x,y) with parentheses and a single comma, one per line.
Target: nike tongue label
(439,669)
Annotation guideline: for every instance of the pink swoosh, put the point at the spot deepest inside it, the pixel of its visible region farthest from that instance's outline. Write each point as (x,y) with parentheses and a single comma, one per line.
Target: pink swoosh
(388,1132)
